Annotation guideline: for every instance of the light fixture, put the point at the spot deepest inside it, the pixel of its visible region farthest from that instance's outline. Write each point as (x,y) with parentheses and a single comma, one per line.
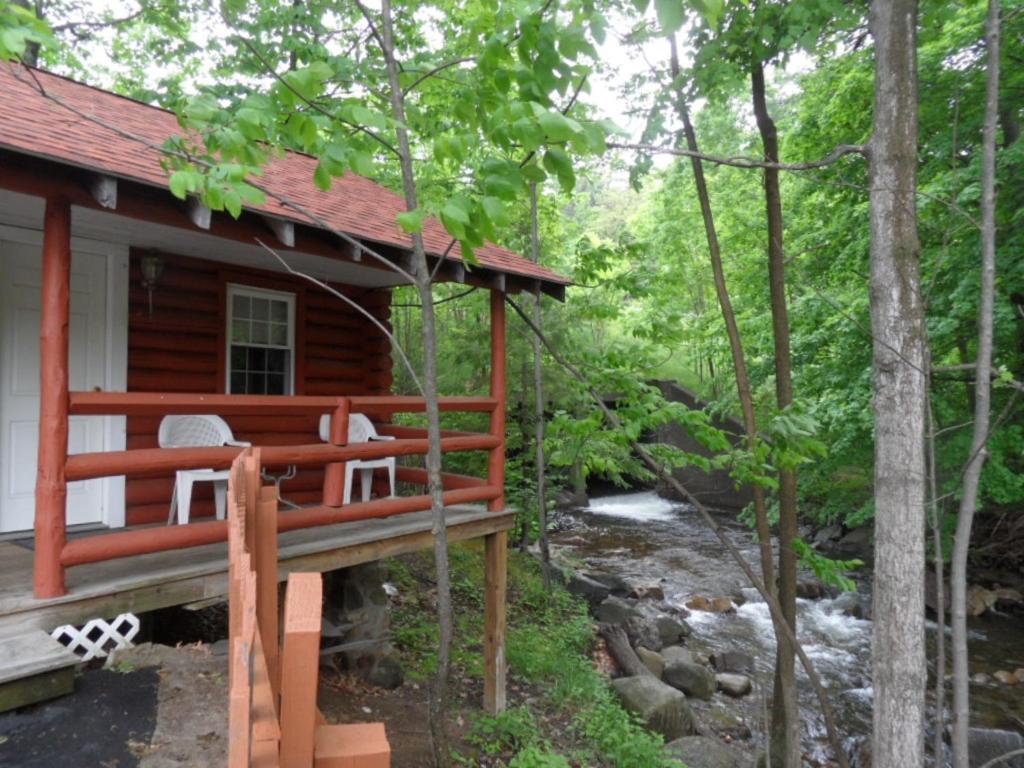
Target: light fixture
(152,267)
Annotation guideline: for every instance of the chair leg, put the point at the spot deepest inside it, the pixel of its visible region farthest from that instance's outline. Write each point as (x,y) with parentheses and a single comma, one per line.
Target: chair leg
(391,475)
(174,500)
(347,495)
(366,478)
(184,496)
(220,497)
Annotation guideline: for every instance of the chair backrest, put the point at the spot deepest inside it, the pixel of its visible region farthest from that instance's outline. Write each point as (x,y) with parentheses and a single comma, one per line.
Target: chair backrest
(360,428)
(193,431)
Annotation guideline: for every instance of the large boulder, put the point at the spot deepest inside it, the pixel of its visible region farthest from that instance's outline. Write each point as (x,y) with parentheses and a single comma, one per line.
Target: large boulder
(733,685)
(589,589)
(615,610)
(617,585)
(984,744)
(671,630)
(706,752)
(677,653)
(849,603)
(736,662)
(661,706)
(652,660)
(694,680)
(643,632)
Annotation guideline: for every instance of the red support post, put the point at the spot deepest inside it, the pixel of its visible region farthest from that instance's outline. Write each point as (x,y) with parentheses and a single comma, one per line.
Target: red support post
(496,471)
(51,486)
(334,474)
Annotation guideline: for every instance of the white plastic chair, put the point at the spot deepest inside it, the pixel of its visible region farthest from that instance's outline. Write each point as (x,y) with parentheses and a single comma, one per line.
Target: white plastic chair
(360,430)
(197,431)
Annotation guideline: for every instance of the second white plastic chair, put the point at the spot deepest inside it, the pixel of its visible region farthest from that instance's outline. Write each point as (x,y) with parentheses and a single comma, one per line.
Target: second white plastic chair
(360,430)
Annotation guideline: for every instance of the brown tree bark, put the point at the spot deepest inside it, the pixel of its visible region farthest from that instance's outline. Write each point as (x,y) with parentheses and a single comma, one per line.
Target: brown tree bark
(538,394)
(982,397)
(620,649)
(785,713)
(421,271)
(900,383)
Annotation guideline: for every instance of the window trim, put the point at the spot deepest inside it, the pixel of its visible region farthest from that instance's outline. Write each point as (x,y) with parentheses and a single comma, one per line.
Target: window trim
(236,289)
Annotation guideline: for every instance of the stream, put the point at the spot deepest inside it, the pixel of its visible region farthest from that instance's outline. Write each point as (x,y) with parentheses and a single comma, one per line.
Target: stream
(649,540)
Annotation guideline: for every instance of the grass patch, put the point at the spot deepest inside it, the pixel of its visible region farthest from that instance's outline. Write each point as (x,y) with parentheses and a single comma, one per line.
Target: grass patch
(561,711)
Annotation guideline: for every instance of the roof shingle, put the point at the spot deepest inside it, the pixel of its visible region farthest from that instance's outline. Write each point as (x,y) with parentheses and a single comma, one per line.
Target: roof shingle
(34,124)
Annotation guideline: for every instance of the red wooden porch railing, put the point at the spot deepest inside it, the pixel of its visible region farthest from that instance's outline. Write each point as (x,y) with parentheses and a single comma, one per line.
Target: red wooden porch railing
(273,719)
(410,441)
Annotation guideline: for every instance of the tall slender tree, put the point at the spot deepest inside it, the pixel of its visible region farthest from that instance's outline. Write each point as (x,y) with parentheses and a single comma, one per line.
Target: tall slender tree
(900,386)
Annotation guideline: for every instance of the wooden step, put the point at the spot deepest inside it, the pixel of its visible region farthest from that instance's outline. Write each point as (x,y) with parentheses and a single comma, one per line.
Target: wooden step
(34,667)
(353,745)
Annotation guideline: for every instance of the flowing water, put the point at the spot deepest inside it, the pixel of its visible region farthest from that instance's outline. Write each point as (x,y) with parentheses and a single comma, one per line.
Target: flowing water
(649,540)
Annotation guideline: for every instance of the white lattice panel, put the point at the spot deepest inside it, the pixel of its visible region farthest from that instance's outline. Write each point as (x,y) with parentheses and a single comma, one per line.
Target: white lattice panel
(99,636)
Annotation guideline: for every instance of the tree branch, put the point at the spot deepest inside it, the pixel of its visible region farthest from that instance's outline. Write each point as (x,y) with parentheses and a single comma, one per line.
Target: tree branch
(745,162)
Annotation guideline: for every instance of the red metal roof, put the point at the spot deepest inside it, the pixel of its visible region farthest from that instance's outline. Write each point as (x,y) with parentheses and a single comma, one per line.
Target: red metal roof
(34,124)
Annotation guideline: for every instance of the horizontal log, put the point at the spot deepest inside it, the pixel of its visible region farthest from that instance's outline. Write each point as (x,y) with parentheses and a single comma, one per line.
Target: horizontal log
(189,343)
(155,461)
(161,360)
(143,380)
(165,299)
(449,480)
(315,516)
(143,541)
(163,403)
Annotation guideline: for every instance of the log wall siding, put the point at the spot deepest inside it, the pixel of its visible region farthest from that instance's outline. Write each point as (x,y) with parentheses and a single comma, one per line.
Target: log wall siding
(182,348)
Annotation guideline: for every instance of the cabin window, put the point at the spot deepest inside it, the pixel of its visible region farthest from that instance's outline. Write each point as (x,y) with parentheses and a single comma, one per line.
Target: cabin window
(261,341)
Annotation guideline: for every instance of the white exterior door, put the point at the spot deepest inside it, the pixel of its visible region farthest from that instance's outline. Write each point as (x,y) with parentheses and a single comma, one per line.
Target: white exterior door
(97,361)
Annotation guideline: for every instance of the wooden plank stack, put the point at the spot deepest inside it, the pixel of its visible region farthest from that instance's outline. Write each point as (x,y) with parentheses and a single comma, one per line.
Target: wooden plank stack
(273,718)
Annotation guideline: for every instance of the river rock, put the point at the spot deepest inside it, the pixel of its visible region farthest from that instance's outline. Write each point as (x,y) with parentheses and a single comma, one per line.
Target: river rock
(661,706)
(672,653)
(1005,677)
(856,543)
(981,678)
(671,630)
(386,673)
(652,660)
(733,685)
(984,744)
(849,604)
(979,600)
(644,633)
(590,590)
(617,585)
(1008,599)
(734,662)
(615,610)
(711,604)
(705,752)
(828,535)
(811,589)
(647,592)
(694,680)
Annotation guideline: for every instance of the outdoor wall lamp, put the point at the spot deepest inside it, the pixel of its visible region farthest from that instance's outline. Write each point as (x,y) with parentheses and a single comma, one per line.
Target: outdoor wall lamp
(152,267)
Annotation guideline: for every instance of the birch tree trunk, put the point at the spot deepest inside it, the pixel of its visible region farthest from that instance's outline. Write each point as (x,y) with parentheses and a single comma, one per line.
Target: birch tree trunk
(982,396)
(538,393)
(439,530)
(900,358)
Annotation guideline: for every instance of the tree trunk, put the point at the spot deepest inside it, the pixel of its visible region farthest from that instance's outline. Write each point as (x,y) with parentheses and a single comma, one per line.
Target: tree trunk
(739,359)
(538,394)
(900,383)
(938,737)
(620,649)
(982,396)
(785,713)
(439,530)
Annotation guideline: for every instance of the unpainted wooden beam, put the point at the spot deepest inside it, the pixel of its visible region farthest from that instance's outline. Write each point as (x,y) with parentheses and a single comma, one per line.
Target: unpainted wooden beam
(283,230)
(199,213)
(104,190)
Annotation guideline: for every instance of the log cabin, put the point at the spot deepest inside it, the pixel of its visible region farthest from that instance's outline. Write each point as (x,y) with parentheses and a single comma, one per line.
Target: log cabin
(122,305)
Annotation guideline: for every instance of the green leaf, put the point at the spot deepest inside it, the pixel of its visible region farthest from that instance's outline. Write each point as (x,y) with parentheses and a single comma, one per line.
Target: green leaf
(558,162)
(361,163)
(179,184)
(321,177)
(670,14)
(412,221)
(558,127)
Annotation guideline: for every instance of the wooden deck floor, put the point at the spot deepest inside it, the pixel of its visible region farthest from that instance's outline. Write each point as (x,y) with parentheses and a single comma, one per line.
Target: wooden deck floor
(147,582)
